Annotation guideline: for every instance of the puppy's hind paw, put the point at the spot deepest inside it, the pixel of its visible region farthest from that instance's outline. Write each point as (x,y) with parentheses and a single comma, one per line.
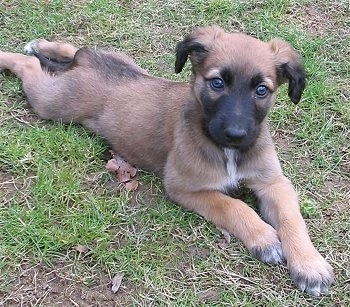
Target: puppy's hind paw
(271,254)
(31,48)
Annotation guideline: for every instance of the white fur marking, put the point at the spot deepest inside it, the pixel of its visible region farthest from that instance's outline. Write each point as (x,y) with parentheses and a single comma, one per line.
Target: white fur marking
(31,47)
(231,166)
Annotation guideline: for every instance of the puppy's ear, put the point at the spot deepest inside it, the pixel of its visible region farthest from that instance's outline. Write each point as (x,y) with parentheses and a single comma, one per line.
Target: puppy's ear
(289,68)
(189,47)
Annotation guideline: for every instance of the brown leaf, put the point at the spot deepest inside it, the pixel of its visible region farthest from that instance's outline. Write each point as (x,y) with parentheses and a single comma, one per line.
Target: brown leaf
(116,282)
(127,168)
(132,171)
(199,252)
(123,176)
(82,249)
(124,170)
(226,234)
(112,166)
(225,241)
(222,243)
(132,185)
(210,295)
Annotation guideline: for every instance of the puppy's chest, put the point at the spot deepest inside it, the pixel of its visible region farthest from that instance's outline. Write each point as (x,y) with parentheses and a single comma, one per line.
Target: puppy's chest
(227,177)
(232,177)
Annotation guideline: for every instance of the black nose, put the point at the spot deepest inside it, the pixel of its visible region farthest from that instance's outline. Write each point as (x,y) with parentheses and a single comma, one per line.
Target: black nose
(235,134)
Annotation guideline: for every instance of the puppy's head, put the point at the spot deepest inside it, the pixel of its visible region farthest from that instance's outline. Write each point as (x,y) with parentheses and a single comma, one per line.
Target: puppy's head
(235,78)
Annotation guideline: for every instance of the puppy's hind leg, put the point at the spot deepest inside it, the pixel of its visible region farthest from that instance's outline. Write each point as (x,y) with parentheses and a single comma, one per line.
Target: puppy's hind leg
(59,52)
(53,56)
(26,68)
(34,79)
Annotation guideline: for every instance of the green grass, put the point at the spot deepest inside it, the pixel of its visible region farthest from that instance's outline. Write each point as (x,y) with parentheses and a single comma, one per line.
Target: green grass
(55,193)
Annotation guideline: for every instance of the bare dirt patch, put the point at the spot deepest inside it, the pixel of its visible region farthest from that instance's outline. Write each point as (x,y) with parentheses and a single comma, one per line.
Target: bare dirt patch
(11,186)
(8,184)
(321,18)
(25,116)
(40,285)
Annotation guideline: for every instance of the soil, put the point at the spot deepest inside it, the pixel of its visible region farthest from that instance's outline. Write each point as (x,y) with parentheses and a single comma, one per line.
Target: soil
(40,285)
(57,285)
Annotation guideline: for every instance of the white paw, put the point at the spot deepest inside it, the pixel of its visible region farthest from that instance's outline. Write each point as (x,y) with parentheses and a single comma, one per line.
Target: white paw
(32,47)
(267,247)
(271,254)
(313,276)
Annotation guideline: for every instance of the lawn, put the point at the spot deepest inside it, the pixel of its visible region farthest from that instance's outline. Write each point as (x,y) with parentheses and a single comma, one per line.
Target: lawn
(67,227)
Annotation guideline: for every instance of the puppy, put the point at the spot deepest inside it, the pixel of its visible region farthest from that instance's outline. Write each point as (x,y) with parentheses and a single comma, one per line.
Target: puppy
(205,136)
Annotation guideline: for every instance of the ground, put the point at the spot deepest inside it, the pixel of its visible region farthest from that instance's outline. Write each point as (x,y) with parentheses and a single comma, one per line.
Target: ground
(67,227)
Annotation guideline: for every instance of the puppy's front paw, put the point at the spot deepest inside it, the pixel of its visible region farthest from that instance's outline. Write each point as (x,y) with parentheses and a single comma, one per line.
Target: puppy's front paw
(31,47)
(267,247)
(313,276)
(271,254)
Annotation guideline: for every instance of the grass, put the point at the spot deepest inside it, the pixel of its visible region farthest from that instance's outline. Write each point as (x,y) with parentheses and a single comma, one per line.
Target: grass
(55,194)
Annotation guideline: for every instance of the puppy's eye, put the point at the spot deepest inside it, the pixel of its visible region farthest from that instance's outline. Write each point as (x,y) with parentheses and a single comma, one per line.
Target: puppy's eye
(217,84)
(262,91)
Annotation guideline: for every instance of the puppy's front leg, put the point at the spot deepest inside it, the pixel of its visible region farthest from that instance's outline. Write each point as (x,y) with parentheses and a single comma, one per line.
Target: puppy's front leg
(279,206)
(236,217)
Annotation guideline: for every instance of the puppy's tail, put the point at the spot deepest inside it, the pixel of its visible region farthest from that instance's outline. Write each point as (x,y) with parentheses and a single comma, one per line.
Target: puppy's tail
(52,65)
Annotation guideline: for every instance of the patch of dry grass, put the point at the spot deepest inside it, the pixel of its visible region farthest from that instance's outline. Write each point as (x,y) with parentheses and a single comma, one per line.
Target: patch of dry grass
(321,19)
(55,193)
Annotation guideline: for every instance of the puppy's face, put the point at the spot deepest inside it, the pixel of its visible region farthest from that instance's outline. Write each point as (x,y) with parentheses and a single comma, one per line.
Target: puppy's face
(235,81)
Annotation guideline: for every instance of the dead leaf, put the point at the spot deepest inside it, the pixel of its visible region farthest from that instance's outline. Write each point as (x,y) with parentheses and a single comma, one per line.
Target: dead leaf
(116,282)
(226,234)
(112,166)
(132,171)
(210,295)
(226,240)
(82,249)
(123,170)
(222,243)
(132,185)
(123,176)
(199,252)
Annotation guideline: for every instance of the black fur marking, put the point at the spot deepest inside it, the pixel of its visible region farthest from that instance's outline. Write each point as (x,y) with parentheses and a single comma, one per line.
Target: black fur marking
(271,254)
(312,285)
(228,76)
(186,47)
(107,65)
(230,112)
(256,80)
(297,79)
(52,65)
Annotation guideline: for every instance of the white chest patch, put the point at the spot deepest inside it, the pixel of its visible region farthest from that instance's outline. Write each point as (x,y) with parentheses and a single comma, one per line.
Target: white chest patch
(231,166)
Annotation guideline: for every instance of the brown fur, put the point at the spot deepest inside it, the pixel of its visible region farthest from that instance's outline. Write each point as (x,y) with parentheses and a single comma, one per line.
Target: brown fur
(163,126)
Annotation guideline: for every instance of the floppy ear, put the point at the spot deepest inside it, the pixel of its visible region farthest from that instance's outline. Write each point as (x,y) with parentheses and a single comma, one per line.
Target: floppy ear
(289,68)
(189,47)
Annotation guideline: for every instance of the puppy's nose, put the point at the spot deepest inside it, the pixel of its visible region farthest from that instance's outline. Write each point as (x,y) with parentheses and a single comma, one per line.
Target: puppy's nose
(235,134)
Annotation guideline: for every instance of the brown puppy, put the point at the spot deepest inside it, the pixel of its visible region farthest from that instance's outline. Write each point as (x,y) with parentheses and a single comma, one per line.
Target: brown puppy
(205,136)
